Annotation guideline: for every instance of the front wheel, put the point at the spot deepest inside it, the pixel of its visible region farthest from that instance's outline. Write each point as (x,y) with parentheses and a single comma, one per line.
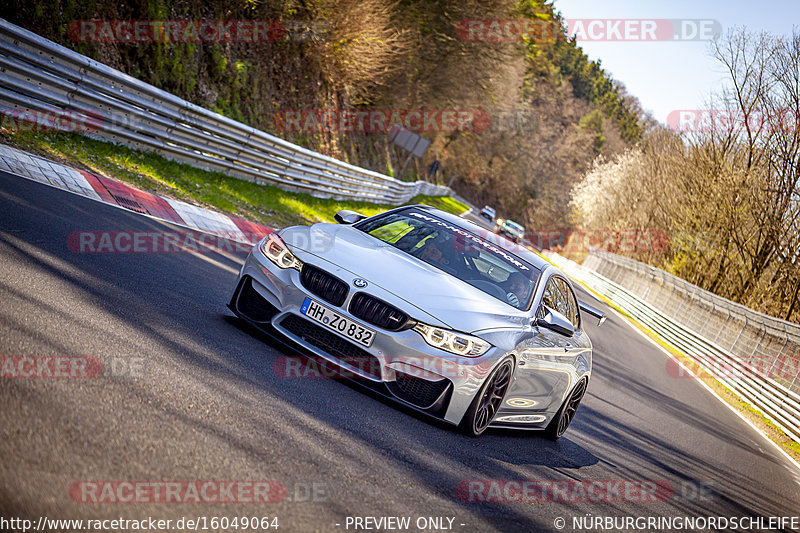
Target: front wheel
(488,400)
(556,428)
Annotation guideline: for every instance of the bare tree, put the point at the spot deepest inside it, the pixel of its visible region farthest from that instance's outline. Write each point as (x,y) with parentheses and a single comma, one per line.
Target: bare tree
(728,192)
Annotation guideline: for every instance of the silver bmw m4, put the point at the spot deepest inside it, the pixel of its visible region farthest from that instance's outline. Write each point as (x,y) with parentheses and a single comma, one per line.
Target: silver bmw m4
(430,310)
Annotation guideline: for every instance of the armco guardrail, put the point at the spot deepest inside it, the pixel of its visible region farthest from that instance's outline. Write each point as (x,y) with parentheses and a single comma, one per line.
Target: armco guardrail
(753,355)
(39,75)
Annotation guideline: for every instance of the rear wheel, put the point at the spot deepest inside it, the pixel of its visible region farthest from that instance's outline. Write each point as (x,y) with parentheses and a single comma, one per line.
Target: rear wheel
(488,400)
(564,417)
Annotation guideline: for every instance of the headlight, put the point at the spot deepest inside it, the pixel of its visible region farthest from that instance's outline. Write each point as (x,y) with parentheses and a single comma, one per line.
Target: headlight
(451,341)
(277,252)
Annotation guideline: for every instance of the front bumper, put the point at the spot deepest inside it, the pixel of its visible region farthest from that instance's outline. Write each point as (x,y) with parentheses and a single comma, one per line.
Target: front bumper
(398,364)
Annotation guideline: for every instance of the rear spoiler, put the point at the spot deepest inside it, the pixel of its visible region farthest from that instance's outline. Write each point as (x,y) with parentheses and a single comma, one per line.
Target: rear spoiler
(589,310)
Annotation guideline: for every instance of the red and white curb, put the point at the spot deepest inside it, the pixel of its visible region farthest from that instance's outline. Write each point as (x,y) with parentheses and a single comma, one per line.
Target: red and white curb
(119,194)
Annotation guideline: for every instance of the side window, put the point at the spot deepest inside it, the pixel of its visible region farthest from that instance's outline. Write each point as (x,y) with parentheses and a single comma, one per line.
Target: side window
(550,295)
(559,297)
(570,303)
(562,303)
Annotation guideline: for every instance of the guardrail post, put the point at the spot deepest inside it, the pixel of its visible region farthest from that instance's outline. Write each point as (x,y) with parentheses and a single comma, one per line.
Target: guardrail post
(652,277)
(740,335)
(725,325)
(778,358)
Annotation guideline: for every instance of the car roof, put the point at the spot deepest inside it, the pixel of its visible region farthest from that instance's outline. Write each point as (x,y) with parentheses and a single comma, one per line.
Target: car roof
(518,250)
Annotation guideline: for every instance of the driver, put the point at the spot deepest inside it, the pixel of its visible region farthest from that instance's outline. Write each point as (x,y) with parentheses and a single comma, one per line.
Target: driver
(518,289)
(432,251)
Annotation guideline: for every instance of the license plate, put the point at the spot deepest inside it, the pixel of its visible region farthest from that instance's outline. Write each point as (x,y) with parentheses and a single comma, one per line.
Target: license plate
(338,323)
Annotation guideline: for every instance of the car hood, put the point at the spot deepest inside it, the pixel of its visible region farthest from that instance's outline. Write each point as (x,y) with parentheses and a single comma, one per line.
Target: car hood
(454,303)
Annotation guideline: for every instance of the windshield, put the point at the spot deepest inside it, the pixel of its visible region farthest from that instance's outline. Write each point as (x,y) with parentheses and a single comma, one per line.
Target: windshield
(458,252)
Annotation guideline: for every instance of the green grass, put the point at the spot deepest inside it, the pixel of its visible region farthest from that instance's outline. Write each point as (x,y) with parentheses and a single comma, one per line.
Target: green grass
(445,203)
(266,204)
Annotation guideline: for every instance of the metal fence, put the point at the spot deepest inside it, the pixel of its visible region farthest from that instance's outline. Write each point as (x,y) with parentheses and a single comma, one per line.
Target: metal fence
(754,355)
(41,76)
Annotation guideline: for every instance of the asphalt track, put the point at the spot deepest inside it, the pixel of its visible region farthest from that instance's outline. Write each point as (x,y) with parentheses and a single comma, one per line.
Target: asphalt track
(190,393)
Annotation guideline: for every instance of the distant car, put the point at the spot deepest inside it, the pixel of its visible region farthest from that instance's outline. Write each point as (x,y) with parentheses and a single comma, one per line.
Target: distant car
(510,229)
(423,307)
(488,213)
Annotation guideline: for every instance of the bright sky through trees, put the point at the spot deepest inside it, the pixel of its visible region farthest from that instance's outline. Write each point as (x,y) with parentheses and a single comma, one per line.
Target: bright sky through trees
(669,75)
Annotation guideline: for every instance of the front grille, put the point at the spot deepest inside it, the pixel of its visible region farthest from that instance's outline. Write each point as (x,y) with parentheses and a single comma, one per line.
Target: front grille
(377,312)
(332,344)
(328,287)
(252,305)
(417,391)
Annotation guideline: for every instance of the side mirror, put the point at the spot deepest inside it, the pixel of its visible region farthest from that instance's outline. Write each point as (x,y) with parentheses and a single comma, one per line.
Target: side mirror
(345,216)
(555,321)
(589,310)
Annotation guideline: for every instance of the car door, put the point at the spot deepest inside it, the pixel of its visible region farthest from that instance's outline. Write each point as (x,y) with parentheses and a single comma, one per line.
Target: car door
(546,365)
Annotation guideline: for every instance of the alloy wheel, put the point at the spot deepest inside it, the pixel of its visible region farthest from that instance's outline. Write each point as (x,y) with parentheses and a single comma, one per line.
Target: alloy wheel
(571,406)
(493,396)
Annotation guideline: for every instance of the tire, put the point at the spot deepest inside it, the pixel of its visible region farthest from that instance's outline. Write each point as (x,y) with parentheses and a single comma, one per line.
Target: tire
(484,407)
(559,424)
